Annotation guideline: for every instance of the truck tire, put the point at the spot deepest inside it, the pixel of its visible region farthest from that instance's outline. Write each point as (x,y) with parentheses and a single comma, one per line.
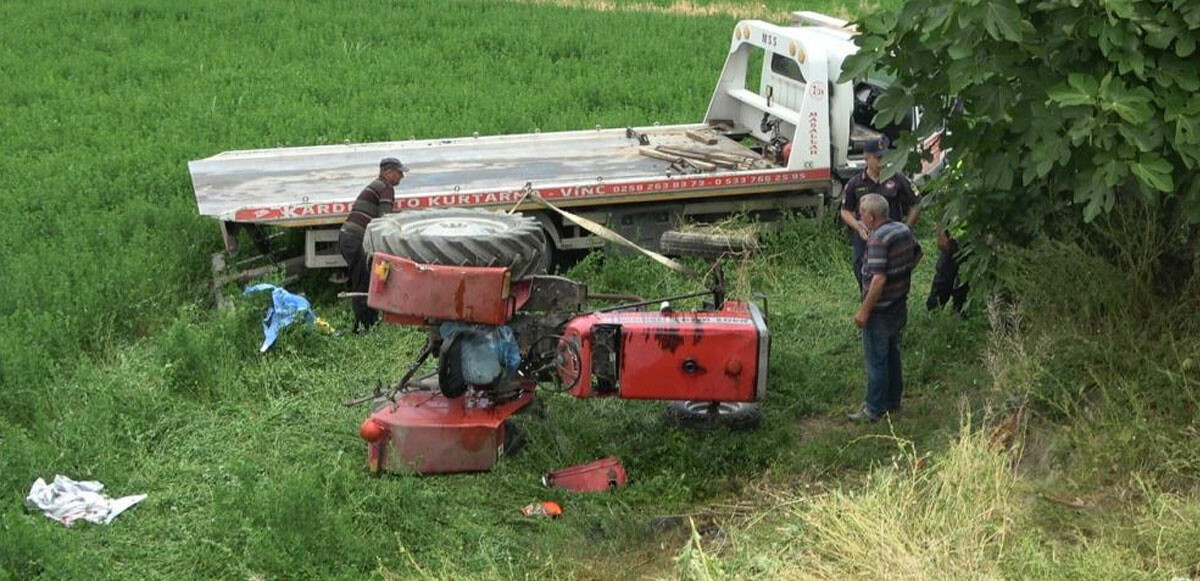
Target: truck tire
(706,416)
(460,237)
(708,245)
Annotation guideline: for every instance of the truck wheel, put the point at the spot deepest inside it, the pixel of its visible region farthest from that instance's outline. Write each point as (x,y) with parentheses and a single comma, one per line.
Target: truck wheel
(705,416)
(460,237)
(709,245)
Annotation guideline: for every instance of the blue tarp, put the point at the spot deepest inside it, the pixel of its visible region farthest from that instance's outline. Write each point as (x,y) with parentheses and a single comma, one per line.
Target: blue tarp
(285,309)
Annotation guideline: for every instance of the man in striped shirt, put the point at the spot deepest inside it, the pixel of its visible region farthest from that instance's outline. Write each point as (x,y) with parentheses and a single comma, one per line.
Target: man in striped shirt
(892,254)
(374,201)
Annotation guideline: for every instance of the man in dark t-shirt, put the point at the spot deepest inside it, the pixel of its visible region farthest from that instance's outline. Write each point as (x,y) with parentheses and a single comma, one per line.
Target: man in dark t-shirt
(374,201)
(947,286)
(903,203)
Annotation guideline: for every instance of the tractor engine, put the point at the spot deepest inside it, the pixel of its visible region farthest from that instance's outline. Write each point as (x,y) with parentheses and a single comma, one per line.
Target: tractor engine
(716,356)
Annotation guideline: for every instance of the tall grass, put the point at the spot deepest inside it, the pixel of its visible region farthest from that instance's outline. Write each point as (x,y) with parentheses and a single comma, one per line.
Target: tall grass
(949,517)
(1094,476)
(963,513)
(1104,350)
(102,242)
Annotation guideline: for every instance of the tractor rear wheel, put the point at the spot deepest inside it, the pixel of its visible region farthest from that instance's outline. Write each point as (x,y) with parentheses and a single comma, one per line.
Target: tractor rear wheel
(705,416)
(460,237)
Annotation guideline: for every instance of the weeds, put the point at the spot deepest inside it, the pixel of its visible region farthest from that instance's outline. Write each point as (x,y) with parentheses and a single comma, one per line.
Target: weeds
(1101,484)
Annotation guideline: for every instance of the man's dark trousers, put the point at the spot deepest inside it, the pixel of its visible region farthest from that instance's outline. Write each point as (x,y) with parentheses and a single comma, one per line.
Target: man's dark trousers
(881,351)
(946,287)
(351,248)
(860,249)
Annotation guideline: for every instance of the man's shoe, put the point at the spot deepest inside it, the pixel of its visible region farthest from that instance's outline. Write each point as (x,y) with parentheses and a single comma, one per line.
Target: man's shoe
(863,415)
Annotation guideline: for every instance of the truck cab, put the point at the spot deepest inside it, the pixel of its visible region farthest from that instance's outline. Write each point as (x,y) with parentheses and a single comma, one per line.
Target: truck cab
(779,85)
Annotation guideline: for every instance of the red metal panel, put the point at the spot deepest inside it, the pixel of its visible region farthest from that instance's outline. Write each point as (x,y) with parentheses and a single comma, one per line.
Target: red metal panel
(600,475)
(429,434)
(704,356)
(709,356)
(409,291)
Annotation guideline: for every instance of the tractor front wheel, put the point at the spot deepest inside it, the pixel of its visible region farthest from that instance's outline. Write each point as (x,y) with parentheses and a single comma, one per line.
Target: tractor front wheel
(705,416)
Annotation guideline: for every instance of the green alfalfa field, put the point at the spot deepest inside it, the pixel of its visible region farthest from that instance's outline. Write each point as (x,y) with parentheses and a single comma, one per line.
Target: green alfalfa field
(116,367)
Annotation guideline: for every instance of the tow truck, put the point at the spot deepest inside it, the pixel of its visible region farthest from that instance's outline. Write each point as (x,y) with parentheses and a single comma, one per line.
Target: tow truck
(785,145)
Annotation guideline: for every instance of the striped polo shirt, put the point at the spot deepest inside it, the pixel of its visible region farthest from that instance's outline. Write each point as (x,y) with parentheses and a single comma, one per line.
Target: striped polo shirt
(374,201)
(891,251)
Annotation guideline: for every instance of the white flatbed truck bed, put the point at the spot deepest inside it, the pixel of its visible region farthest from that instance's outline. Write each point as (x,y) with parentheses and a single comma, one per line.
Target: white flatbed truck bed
(794,138)
(312,186)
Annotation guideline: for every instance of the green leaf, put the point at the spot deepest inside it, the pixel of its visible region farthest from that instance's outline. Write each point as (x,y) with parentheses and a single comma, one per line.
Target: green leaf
(998,174)
(870,43)
(1132,106)
(1187,138)
(1191,202)
(1146,137)
(1079,89)
(1085,83)
(1109,171)
(1180,72)
(1121,8)
(962,48)
(1102,202)
(1160,38)
(1191,15)
(1002,20)
(1046,152)
(1068,97)
(937,15)
(993,104)
(1029,174)
(1081,130)
(1185,45)
(1044,165)
(894,161)
(856,66)
(1132,60)
(892,106)
(881,22)
(1154,171)
(962,73)
(1092,193)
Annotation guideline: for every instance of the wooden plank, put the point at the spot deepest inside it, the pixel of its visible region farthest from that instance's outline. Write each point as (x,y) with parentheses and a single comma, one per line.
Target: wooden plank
(651,152)
(705,137)
(704,157)
(708,155)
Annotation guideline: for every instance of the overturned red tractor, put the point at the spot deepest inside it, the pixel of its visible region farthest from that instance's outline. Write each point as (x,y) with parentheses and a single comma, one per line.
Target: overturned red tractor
(497,329)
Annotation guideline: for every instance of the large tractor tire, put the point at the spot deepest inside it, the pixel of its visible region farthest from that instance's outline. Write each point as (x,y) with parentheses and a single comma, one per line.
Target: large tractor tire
(460,237)
(706,416)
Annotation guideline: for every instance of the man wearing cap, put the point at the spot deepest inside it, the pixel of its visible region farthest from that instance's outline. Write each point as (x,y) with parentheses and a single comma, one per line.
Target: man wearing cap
(903,204)
(374,201)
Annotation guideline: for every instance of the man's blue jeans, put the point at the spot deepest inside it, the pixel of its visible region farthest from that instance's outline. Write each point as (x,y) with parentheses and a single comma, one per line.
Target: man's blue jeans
(881,352)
